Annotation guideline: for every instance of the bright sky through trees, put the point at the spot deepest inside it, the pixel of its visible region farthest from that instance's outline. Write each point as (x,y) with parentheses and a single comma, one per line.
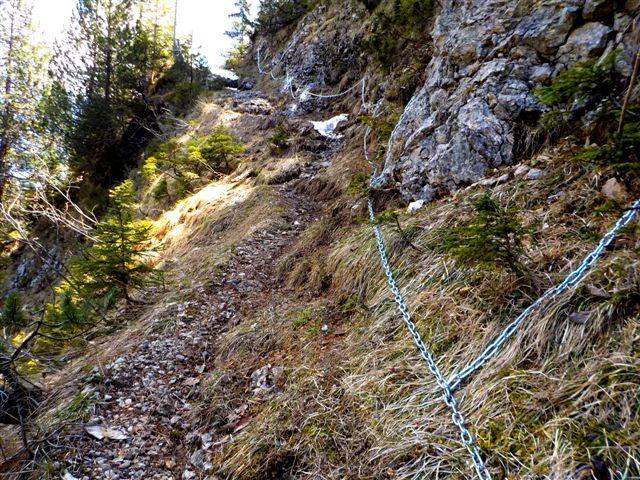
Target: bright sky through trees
(207,20)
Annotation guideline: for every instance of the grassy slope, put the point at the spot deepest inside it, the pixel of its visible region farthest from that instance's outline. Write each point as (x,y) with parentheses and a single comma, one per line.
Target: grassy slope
(355,400)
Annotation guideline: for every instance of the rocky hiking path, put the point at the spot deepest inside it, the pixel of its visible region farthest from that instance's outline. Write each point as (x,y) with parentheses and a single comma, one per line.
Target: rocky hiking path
(144,408)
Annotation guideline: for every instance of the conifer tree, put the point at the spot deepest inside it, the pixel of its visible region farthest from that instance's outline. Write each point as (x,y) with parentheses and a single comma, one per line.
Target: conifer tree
(12,317)
(117,258)
(17,86)
(117,49)
(242,26)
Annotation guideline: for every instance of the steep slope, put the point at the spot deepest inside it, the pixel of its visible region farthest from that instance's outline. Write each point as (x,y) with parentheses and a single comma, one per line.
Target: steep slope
(278,351)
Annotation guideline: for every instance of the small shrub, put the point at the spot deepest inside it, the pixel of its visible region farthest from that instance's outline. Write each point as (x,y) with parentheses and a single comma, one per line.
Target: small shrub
(220,149)
(117,258)
(150,168)
(280,138)
(184,96)
(161,190)
(620,153)
(407,233)
(588,80)
(69,314)
(182,187)
(493,237)
(13,317)
(577,91)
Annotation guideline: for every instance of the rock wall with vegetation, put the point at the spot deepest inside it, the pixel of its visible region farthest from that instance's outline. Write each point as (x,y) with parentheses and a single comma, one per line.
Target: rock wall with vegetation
(477,107)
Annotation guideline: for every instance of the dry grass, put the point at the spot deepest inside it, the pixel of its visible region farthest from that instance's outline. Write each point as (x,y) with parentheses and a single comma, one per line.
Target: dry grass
(361,404)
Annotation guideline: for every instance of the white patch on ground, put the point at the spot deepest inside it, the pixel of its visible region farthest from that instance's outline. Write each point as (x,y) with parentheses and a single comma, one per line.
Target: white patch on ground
(328,127)
(415,206)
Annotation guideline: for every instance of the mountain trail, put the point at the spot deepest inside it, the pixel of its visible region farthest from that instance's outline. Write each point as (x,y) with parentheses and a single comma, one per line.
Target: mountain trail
(145,403)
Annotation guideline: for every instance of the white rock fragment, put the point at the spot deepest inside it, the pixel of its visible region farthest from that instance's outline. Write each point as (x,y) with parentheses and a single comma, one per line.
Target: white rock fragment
(614,190)
(521,170)
(415,206)
(535,174)
(328,127)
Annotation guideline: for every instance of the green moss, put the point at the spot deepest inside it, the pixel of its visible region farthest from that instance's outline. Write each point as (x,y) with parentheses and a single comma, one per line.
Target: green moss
(303,318)
(359,185)
(397,25)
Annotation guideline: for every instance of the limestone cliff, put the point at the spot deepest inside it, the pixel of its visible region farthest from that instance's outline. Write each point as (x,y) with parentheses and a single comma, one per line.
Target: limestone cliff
(476,107)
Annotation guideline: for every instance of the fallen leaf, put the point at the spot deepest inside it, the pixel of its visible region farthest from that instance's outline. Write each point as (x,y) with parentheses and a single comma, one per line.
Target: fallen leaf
(597,292)
(242,424)
(96,431)
(580,317)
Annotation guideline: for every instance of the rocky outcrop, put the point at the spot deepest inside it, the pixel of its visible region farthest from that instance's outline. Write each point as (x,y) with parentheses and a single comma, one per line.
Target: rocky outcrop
(324,47)
(489,56)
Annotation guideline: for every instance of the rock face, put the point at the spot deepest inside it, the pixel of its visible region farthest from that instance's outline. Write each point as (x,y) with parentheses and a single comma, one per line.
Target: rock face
(324,49)
(489,56)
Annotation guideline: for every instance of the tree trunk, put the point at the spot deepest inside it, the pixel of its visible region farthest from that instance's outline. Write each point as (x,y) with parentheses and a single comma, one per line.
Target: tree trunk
(6,135)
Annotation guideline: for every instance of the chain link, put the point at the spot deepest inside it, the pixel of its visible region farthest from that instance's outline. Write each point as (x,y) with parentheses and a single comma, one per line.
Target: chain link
(337,95)
(572,280)
(448,387)
(449,399)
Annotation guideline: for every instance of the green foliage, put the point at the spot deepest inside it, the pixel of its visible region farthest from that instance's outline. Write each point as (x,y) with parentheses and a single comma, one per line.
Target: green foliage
(577,91)
(113,60)
(359,185)
(493,237)
(407,233)
(242,25)
(149,168)
(235,56)
(13,317)
(241,31)
(184,96)
(117,258)
(161,190)
(280,138)
(20,71)
(68,315)
(620,153)
(188,161)
(275,15)
(397,25)
(220,149)
(587,80)
(382,129)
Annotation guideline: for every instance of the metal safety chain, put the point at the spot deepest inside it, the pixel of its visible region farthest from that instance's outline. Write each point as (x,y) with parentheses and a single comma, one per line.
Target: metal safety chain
(572,280)
(336,95)
(449,399)
(466,437)
(448,387)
